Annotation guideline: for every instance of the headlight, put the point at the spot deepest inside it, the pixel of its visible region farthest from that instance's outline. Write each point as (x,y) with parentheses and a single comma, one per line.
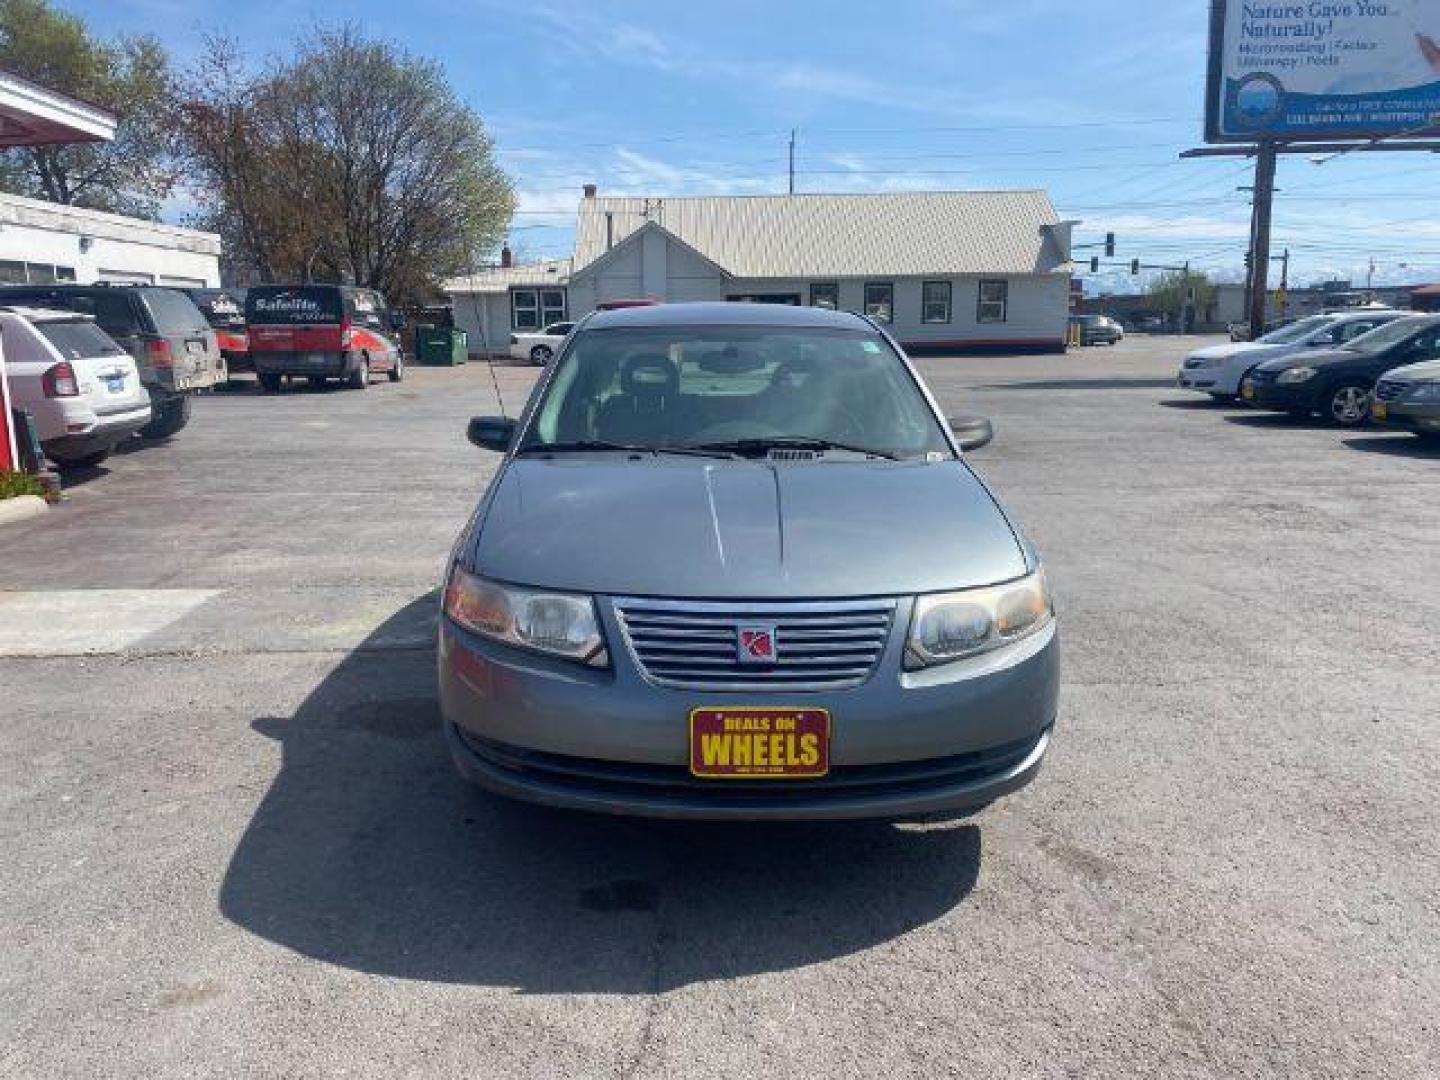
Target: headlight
(561,624)
(1425,391)
(1296,375)
(951,626)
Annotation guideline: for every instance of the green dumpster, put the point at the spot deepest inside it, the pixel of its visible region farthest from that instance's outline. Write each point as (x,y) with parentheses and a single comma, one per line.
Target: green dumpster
(440,346)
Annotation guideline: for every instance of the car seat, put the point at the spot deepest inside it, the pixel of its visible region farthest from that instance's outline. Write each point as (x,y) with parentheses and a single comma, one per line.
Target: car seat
(643,410)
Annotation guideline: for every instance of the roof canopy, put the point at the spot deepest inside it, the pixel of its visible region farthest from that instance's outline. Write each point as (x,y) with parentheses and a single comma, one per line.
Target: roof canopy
(30,115)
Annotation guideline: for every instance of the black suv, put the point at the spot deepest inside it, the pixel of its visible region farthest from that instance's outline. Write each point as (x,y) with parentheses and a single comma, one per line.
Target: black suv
(173,346)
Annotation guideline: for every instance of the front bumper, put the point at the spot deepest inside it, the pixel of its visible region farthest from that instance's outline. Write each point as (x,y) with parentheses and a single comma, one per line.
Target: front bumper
(1407,416)
(1204,380)
(1278,397)
(903,744)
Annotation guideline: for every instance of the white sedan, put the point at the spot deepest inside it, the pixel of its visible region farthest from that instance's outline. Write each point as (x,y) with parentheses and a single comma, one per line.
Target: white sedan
(82,389)
(1217,370)
(539,348)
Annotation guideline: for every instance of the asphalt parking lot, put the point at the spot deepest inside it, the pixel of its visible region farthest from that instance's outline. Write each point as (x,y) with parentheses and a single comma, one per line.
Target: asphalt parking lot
(233,844)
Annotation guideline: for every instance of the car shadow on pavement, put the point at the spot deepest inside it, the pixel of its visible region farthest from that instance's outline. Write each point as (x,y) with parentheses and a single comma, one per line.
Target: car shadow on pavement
(369,852)
(1398,444)
(1261,419)
(1196,404)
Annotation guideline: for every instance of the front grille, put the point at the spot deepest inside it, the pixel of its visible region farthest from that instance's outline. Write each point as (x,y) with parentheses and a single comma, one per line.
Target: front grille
(694,644)
(1390,390)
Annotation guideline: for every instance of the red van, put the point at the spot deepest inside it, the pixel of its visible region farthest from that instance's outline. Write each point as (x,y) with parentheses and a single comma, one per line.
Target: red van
(322,332)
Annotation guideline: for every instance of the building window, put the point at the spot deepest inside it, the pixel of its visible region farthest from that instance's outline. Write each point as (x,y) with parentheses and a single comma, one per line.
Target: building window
(935,302)
(12,273)
(552,306)
(994,302)
(825,294)
(880,302)
(530,309)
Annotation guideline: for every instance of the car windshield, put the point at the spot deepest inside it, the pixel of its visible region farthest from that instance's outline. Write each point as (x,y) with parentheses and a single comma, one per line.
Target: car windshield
(747,389)
(1383,337)
(1296,331)
(78,339)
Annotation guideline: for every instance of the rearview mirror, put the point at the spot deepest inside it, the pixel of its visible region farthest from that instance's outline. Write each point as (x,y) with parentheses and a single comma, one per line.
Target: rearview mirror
(971,432)
(491,432)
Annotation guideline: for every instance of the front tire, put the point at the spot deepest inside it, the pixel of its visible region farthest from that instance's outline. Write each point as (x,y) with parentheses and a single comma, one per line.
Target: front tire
(360,378)
(271,383)
(540,355)
(1348,405)
(169,417)
(397,373)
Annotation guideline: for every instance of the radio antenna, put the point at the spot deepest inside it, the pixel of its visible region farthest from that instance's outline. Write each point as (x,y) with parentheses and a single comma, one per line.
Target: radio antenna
(484,335)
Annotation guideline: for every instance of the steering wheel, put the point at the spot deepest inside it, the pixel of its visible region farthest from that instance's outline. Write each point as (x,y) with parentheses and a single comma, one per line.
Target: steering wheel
(852,429)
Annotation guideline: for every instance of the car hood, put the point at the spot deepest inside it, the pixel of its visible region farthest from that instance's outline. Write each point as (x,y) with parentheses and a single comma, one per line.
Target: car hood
(687,527)
(1311,358)
(1425,371)
(1225,352)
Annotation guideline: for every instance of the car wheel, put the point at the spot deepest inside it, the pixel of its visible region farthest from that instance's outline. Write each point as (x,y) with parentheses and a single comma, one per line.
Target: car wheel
(398,371)
(317,382)
(168,417)
(360,377)
(271,383)
(81,461)
(1349,405)
(540,354)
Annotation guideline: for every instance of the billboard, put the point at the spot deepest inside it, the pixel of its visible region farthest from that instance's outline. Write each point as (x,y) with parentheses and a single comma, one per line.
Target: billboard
(1305,69)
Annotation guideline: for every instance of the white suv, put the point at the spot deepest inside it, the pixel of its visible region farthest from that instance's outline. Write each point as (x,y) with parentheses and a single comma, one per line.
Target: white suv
(1218,370)
(81,387)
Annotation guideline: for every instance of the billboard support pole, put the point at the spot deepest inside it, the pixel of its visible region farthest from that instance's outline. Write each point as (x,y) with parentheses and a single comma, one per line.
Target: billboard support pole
(1260,234)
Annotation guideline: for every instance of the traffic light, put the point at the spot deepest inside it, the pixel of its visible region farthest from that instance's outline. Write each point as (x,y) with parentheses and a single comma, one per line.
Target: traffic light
(1134,266)
(1109,245)
(1094,264)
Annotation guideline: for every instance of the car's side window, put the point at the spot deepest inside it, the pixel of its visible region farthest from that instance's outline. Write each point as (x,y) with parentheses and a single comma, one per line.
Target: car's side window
(1353,330)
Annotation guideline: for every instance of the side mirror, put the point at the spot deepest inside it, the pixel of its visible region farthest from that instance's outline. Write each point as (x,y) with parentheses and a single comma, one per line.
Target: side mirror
(491,432)
(971,432)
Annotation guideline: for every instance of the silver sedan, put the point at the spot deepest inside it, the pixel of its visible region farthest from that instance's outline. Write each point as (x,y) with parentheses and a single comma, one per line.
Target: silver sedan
(734,565)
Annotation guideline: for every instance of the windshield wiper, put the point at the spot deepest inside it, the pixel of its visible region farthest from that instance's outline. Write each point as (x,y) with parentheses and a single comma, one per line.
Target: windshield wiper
(792,442)
(580,446)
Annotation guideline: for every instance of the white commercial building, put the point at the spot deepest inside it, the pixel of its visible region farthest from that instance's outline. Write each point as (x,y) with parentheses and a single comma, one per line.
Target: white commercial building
(44,242)
(944,270)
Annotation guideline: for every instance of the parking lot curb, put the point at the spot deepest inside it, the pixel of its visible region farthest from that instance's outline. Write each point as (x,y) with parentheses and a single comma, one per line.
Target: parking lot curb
(21,508)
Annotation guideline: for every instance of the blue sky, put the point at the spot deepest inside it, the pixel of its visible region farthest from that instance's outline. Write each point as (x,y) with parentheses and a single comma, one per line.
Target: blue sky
(1091,101)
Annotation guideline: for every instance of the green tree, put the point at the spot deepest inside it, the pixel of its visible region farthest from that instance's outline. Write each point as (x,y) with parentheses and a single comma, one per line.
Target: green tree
(348,159)
(129,77)
(1175,290)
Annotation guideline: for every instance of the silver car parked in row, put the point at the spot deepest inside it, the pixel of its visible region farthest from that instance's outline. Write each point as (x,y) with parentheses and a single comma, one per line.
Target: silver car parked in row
(734,565)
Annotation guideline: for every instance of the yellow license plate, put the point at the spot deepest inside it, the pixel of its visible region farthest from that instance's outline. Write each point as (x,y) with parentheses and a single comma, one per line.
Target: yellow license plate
(1247,391)
(1379,410)
(759,743)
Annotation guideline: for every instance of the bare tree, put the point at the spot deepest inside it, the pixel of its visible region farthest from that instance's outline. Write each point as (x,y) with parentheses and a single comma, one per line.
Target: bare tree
(350,160)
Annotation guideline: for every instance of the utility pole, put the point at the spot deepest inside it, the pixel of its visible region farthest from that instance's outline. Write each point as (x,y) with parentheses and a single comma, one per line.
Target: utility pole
(1260,234)
(1370,275)
(792,161)
(1283,299)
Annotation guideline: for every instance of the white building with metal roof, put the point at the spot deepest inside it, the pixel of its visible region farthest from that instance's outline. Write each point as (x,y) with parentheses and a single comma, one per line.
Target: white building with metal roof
(944,270)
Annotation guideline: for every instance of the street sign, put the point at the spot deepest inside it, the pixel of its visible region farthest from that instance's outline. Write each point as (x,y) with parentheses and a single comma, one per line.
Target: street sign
(1291,69)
